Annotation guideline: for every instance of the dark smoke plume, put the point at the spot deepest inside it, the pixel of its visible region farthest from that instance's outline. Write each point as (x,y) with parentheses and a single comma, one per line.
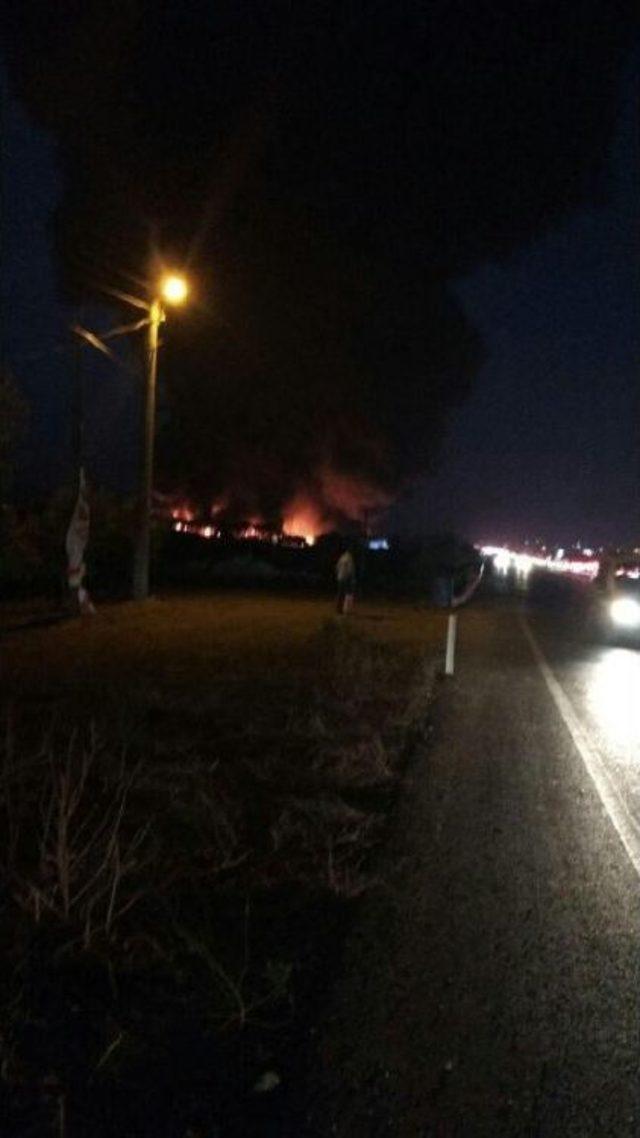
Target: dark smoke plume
(324,170)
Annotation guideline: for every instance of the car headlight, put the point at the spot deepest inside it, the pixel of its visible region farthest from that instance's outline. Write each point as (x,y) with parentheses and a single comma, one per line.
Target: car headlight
(625,612)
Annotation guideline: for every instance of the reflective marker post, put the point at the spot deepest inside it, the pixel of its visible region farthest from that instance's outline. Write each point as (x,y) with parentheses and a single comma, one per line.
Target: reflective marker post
(452,619)
(449,660)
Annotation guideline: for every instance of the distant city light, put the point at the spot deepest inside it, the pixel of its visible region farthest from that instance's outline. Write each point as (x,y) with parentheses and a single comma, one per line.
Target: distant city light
(505,559)
(523,563)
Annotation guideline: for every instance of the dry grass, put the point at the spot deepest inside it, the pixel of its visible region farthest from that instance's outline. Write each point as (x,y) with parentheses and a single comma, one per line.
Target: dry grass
(173,773)
(178,646)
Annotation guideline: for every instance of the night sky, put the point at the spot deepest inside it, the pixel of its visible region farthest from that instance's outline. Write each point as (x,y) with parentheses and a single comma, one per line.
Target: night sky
(36,343)
(414,230)
(33,321)
(548,445)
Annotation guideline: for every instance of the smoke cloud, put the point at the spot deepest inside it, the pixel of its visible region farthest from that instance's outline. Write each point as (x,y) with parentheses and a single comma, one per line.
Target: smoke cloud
(324,171)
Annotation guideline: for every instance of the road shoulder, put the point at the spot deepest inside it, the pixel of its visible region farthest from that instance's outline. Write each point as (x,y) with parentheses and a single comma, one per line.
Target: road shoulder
(491,987)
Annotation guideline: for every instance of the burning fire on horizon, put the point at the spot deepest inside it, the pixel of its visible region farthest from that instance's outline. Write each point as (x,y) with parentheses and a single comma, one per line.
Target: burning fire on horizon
(331,501)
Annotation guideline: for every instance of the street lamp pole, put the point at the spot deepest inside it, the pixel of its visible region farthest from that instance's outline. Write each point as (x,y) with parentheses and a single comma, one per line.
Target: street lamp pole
(145,494)
(172,289)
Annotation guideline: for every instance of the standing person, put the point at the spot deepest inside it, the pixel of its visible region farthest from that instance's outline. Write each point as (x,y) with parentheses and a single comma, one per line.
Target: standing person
(346,581)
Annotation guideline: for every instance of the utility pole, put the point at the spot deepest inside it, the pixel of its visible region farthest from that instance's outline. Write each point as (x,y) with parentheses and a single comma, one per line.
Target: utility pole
(145,493)
(173,290)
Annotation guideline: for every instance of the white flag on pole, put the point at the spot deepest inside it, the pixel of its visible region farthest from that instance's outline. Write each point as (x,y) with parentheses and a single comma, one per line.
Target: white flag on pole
(76,544)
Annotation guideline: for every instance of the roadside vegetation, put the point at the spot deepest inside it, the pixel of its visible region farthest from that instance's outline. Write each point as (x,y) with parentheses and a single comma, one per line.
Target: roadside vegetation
(191,797)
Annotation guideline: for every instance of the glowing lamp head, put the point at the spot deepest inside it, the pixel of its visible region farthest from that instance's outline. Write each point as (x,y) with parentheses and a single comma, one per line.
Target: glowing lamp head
(625,612)
(174,289)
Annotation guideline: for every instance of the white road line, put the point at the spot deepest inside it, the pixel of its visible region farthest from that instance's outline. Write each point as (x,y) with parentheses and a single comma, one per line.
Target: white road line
(623,821)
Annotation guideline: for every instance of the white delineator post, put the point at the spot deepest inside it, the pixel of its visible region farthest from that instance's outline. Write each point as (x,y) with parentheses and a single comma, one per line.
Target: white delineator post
(449,660)
(452,620)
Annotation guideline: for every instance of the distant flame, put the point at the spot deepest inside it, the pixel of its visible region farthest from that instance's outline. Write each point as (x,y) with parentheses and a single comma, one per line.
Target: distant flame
(302,518)
(326,502)
(182,513)
(218,505)
(332,496)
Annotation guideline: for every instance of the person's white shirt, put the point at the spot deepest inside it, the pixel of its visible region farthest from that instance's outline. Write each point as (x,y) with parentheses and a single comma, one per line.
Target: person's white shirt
(345,566)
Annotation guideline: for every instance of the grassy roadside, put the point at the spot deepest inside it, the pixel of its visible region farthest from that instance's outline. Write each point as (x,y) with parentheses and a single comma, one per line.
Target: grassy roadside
(192,793)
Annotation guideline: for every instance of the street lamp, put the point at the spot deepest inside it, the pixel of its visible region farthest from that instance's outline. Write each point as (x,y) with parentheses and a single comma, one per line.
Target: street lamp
(172,289)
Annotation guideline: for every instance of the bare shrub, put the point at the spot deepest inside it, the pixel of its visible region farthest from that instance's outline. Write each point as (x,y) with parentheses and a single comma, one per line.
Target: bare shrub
(241,993)
(325,842)
(72,853)
(361,763)
(352,729)
(90,834)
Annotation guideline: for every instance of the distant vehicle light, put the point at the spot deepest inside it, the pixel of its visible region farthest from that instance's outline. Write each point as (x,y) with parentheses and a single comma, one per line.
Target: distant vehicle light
(625,612)
(523,563)
(378,543)
(502,561)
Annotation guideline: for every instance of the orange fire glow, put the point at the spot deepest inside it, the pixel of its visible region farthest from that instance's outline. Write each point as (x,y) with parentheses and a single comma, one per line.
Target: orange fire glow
(182,513)
(314,512)
(349,495)
(303,518)
(218,505)
(327,500)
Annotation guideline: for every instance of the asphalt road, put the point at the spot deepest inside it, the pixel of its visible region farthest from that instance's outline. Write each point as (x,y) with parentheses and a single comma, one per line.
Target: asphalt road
(492,986)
